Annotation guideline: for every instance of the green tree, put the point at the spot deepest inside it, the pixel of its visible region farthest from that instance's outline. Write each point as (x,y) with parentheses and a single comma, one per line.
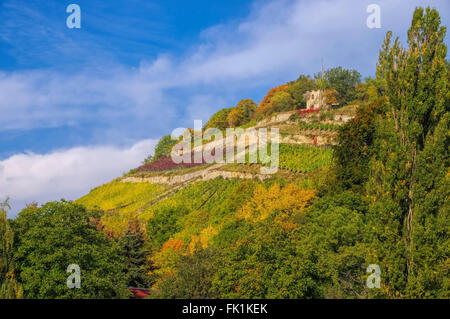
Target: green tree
(241,113)
(409,236)
(163,148)
(219,119)
(9,288)
(50,238)
(282,101)
(193,279)
(343,81)
(354,149)
(135,256)
(298,88)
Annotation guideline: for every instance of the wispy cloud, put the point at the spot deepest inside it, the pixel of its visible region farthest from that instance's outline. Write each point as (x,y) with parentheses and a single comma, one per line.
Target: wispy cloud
(65,174)
(277,41)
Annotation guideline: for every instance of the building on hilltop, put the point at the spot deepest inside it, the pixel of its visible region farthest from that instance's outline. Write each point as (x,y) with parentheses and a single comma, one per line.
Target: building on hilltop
(314,99)
(319,99)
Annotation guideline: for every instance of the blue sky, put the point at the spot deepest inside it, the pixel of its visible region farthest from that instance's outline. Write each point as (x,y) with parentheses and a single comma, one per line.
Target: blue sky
(80,106)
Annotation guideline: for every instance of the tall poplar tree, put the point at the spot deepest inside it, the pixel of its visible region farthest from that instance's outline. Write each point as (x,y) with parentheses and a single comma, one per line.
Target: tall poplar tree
(408,186)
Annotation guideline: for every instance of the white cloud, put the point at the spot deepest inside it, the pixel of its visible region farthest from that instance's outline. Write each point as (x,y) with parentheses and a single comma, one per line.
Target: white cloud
(276,42)
(66,174)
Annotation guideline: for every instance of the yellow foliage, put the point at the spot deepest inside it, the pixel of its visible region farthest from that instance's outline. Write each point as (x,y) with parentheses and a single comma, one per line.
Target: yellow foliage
(121,201)
(288,200)
(117,195)
(330,97)
(202,239)
(166,259)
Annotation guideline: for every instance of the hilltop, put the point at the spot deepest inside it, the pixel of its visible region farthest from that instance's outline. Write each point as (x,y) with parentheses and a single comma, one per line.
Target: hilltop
(305,152)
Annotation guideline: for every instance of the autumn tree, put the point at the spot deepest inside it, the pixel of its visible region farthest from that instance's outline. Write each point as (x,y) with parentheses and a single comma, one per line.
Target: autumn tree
(330,97)
(266,107)
(241,113)
(219,119)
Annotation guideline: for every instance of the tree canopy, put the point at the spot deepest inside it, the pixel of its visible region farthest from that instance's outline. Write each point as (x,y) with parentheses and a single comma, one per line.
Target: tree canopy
(50,238)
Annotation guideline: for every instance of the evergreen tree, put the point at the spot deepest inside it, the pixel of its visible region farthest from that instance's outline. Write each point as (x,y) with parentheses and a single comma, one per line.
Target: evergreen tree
(132,245)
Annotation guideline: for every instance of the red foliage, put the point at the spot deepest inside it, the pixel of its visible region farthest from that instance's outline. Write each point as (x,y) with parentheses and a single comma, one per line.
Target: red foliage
(139,293)
(165,163)
(308,111)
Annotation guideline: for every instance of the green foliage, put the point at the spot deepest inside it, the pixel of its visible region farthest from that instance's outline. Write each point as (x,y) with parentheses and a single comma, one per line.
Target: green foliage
(409,170)
(298,88)
(9,288)
(304,159)
(165,223)
(300,158)
(354,148)
(50,238)
(219,120)
(194,277)
(333,237)
(163,148)
(133,251)
(318,126)
(282,101)
(343,81)
(320,255)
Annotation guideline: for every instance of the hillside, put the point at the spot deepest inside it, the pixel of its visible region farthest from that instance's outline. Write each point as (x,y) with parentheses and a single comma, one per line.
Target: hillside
(305,152)
(357,207)
(187,210)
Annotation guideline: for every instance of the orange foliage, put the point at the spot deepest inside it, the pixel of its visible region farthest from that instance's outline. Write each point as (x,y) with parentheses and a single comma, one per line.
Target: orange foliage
(330,97)
(172,243)
(265,106)
(235,117)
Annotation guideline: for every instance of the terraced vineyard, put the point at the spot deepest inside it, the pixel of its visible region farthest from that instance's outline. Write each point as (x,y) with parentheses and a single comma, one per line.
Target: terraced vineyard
(318,126)
(304,159)
(301,158)
(120,201)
